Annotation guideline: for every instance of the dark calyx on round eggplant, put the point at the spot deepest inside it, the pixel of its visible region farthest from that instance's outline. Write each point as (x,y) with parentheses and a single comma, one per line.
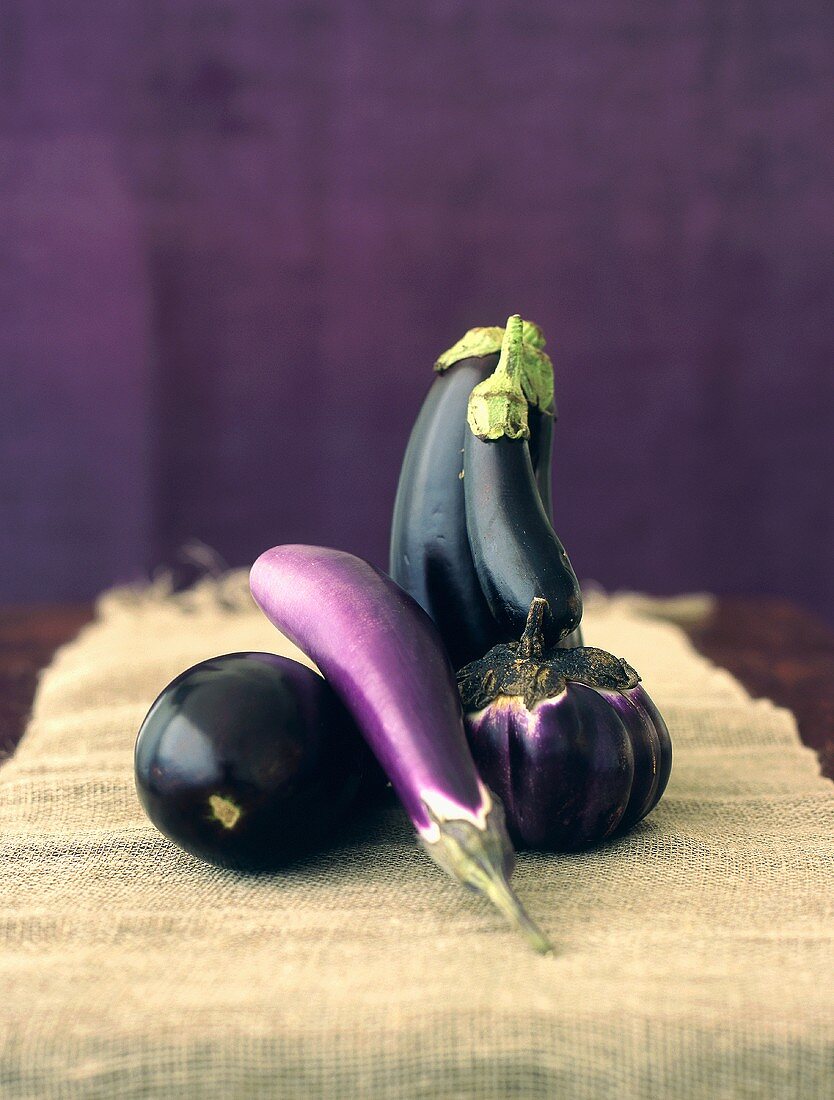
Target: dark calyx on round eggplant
(568,739)
(382,654)
(249,761)
(430,556)
(516,553)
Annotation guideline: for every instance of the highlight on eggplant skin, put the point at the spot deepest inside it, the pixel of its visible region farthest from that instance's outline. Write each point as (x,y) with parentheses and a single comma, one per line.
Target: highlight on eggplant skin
(429,556)
(541,449)
(249,761)
(383,656)
(569,740)
(516,552)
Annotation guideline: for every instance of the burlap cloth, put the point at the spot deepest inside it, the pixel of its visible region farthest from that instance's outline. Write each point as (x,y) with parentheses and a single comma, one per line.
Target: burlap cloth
(694,956)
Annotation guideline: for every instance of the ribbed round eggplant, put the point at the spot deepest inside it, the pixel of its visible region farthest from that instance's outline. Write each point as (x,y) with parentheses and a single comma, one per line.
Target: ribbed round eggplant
(249,760)
(383,656)
(430,556)
(568,739)
(516,553)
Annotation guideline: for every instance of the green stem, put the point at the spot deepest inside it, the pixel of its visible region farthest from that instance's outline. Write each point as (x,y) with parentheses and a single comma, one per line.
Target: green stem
(510,362)
(476,857)
(480,342)
(498,405)
(497,890)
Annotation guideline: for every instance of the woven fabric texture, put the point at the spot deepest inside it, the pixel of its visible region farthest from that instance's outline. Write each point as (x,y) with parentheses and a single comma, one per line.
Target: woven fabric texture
(694,956)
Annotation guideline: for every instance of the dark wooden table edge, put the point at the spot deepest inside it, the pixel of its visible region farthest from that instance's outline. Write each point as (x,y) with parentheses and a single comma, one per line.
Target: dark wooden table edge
(777,651)
(29,638)
(774,648)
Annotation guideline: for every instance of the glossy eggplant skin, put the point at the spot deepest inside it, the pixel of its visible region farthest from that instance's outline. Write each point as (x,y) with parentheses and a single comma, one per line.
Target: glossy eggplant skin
(541,450)
(250,761)
(382,655)
(541,455)
(429,555)
(516,553)
(385,659)
(574,769)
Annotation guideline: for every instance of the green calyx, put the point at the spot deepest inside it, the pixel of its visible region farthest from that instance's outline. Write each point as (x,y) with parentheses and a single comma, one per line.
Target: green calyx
(476,857)
(524,376)
(480,342)
(498,406)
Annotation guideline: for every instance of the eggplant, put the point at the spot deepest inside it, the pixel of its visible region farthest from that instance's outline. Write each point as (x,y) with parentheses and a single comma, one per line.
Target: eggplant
(383,656)
(516,553)
(567,738)
(541,452)
(541,443)
(429,555)
(249,761)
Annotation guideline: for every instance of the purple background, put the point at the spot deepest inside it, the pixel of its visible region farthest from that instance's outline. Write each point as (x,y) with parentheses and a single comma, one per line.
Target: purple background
(235,236)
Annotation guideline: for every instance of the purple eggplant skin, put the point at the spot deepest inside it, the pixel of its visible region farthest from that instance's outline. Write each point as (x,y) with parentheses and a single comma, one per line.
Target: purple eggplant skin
(568,739)
(250,761)
(541,451)
(541,454)
(429,553)
(430,557)
(574,769)
(383,656)
(516,552)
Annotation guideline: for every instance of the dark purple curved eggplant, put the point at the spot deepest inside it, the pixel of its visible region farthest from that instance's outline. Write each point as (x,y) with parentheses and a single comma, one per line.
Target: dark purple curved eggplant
(569,740)
(430,556)
(383,656)
(541,444)
(249,760)
(516,553)
(541,454)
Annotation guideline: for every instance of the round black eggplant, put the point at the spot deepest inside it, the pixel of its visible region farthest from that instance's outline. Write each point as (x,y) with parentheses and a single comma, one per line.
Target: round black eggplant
(516,553)
(249,761)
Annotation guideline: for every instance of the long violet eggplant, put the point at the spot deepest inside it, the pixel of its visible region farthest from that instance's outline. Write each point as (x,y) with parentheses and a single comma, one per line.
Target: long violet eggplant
(516,553)
(382,655)
(568,739)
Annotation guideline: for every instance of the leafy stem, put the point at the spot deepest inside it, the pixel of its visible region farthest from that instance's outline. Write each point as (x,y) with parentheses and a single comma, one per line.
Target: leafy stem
(498,405)
(480,342)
